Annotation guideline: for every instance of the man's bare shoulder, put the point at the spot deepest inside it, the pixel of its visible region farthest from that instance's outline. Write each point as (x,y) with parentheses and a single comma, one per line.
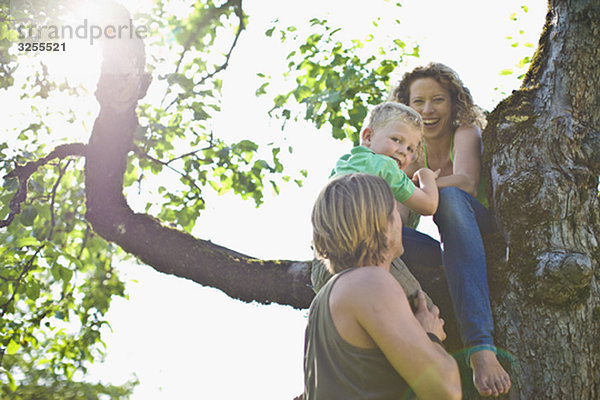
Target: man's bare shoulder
(370,280)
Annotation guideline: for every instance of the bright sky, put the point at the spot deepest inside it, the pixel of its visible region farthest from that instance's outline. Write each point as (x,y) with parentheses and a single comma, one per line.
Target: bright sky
(185,341)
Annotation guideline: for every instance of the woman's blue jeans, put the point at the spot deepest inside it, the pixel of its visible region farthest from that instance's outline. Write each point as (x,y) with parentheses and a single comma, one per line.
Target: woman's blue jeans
(461,220)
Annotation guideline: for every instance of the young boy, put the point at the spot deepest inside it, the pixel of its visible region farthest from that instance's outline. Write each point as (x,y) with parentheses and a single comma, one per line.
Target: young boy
(390,139)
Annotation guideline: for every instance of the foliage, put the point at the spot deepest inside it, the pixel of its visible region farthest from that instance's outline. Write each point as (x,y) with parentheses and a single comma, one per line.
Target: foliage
(523,50)
(38,382)
(336,80)
(190,98)
(57,278)
(56,283)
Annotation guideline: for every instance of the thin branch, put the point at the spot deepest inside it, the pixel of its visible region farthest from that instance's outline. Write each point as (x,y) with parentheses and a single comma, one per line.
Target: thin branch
(237,4)
(140,153)
(215,12)
(25,271)
(23,172)
(61,172)
(240,14)
(84,242)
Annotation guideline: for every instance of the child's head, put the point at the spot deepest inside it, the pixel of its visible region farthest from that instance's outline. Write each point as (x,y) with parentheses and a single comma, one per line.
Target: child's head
(394,130)
(353,222)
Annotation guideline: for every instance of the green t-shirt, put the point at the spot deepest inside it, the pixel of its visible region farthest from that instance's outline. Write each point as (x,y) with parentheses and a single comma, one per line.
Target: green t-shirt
(335,369)
(363,159)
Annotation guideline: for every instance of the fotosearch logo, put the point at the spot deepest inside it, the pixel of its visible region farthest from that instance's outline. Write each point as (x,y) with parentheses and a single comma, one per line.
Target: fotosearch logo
(84,30)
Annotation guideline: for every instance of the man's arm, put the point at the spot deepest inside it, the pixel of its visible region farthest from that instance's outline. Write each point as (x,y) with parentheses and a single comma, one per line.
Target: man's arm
(384,313)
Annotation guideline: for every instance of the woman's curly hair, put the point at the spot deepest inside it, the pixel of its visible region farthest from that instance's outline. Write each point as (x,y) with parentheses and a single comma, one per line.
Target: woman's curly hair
(464,110)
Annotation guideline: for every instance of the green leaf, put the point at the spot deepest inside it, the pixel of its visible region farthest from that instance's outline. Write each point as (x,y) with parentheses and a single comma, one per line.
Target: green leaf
(66,274)
(26,241)
(33,290)
(36,186)
(11,381)
(11,184)
(262,89)
(12,347)
(28,216)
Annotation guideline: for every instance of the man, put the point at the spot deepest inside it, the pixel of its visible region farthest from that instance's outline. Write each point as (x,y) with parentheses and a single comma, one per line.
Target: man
(362,339)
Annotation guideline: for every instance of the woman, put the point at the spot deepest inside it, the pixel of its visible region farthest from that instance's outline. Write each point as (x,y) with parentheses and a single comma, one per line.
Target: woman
(452,133)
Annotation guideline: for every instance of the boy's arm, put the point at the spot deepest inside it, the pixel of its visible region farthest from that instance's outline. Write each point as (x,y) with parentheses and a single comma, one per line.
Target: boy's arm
(421,197)
(424,199)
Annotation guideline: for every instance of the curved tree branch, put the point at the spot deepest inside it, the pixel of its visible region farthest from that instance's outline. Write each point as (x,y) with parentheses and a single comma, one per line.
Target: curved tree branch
(23,172)
(122,83)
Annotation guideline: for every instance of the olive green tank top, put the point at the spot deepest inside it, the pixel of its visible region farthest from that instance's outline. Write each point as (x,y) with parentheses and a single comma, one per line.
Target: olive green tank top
(481,189)
(335,369)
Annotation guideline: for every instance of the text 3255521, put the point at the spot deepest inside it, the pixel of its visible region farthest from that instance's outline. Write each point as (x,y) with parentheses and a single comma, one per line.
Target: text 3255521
(35,46)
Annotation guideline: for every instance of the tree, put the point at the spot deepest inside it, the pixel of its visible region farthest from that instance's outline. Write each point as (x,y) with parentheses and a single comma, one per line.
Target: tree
(119,152)
(542,148)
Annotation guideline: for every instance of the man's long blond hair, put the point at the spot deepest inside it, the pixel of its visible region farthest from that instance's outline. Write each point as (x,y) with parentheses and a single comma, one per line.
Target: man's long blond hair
(350,221)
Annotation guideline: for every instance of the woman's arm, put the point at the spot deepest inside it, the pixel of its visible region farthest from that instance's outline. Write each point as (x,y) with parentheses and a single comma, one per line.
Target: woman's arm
(467,160)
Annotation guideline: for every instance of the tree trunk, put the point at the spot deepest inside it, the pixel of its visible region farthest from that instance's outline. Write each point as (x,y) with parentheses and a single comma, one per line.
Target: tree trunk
(542,148)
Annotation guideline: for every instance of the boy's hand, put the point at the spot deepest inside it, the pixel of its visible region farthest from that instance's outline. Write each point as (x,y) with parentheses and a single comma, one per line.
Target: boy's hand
(425,175)
(429,319)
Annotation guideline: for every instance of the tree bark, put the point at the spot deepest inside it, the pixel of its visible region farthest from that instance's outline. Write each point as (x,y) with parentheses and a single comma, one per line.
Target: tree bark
(541,156)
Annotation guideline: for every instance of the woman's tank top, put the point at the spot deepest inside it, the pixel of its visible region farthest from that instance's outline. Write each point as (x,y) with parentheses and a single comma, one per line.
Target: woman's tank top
(481,188)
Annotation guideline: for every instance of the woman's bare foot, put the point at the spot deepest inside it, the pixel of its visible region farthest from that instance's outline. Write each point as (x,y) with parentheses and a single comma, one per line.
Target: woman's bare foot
(489,378)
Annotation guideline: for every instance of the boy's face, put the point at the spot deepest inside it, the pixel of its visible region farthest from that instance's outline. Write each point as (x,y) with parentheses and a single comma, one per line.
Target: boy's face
(395,139)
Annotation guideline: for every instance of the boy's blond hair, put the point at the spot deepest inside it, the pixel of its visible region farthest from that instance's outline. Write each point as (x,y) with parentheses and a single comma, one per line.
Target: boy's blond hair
(384,113)
(350,221)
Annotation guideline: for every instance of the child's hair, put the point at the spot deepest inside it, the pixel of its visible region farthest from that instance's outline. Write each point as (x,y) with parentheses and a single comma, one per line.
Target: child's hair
(464,110)
(350,221)
(384,113)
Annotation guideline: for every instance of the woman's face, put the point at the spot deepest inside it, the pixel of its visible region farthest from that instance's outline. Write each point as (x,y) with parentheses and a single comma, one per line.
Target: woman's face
(433,101)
